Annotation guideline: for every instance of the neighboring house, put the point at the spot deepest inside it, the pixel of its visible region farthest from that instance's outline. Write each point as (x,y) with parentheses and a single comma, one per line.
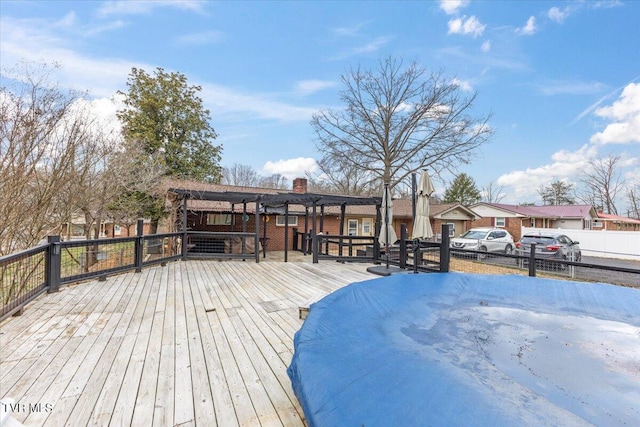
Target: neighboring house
(360,220)
(514,217)
(615,223)
(75,229)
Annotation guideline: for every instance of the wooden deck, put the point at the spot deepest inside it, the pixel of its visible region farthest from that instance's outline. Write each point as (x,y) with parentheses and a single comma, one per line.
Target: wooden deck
(192,343)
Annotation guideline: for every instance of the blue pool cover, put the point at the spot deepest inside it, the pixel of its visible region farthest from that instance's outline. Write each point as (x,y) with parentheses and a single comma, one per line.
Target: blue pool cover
(470,350)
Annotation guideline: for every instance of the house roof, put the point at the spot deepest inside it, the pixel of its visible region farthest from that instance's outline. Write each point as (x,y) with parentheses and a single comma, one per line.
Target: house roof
(617,218)
(547,211)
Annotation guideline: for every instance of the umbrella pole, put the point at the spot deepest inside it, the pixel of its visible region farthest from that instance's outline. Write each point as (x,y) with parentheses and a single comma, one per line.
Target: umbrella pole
(386,220)
(414,186)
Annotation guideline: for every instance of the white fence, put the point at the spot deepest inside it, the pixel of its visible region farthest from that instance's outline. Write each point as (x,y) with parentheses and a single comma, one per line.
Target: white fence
(601,243)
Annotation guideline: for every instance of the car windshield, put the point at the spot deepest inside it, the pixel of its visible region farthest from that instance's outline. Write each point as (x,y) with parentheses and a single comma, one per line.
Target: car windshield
(474,234)
(538,240)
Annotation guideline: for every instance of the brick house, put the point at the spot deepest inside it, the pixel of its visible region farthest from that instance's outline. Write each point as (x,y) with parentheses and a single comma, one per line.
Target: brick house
(615,223)
(514,217)
(221,209)
(360,214)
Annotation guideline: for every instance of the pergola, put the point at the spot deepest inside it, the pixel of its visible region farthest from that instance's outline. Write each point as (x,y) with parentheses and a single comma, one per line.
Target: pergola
(278,201)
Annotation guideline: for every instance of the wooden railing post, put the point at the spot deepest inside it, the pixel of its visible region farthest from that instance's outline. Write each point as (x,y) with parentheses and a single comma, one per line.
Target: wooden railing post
(53,263)
(139,246)
(444,249)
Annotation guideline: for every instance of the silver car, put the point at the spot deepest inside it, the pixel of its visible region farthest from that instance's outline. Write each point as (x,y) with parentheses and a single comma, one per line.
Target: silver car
(484,239)
(551,246)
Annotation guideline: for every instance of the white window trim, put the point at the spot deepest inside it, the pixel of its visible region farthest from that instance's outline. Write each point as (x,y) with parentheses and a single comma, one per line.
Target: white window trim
(280,220)
(500,219)
(351,221)
(366,227)
(452,229)
(218,219)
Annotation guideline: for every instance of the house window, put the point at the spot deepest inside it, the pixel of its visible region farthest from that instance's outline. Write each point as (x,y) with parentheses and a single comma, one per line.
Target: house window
(366,227)
(501,222)
(292,222)
(352,227)
(587,224)
(452,229)
(218,219)
(533,222)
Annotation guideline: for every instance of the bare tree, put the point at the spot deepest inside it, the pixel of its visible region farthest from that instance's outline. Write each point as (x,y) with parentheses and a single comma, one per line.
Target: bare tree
(340,176)
(400,120)
(241,175)
(602,183)
(274,181)
(633,196)
(492,193)
(38,138)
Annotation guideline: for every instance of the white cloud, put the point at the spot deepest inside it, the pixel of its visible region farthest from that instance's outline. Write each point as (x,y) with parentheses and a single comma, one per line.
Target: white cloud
(347,31)
(565,166)
(529,28)
(102,111)
(126,7)
(223,101)
(308,87)
(35,41)
(572,87)
(486,46)
(67,21)
(625,113)
(290,168)
(558,15)
(373,46)
(451,7)
(201,38)
(103,77)
(467,26)
(464,85)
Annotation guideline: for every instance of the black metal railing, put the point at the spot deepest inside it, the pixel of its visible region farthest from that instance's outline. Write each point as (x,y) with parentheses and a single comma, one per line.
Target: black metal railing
(227,245)
(27,274)
(23,276)
(529,264)
(345,248)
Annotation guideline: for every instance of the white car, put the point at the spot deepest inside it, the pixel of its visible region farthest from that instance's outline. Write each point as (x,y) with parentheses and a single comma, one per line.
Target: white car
(484,240)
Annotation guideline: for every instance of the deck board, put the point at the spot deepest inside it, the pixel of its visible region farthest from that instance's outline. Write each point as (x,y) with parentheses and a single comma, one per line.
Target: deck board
(199,343)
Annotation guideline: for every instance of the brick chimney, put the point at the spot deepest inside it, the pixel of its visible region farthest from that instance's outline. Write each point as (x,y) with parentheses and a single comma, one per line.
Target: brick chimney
(300,185)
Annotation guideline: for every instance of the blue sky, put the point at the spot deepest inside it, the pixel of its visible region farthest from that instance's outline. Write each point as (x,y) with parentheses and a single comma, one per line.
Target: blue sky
(561,79)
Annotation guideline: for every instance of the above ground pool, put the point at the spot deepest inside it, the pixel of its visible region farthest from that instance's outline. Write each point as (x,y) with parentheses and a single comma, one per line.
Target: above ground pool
(446,349)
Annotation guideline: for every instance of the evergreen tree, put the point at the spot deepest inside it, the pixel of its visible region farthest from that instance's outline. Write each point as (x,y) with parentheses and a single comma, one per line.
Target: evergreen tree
(164,114)
(463,190)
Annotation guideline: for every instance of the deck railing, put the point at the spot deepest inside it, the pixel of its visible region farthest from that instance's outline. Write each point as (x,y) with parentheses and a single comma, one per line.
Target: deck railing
(27,274)
(345,248)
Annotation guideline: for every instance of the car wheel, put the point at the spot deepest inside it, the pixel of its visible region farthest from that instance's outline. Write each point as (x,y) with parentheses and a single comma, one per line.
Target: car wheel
(483,252)
(508,250)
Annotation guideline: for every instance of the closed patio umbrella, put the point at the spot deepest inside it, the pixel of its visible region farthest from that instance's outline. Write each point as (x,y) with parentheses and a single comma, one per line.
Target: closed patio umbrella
(387,233)
(421,223)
